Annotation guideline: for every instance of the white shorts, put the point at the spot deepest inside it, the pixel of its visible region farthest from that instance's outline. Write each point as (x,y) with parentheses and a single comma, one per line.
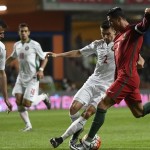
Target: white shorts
(89,95)
(30,92)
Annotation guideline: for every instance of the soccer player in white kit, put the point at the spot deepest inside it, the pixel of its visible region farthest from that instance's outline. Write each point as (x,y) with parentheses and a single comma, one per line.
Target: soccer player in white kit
(29,53)
(3,77)
(94,88)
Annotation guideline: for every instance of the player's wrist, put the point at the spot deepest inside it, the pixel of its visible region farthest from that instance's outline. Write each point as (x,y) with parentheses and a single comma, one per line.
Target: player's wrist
(41,69)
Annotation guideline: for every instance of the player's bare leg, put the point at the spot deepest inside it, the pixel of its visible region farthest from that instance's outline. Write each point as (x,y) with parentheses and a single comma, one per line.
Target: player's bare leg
(23,112)
(138,110)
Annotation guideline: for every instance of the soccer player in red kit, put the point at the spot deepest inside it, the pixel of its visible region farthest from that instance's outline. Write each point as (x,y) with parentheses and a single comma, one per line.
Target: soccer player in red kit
(127,45)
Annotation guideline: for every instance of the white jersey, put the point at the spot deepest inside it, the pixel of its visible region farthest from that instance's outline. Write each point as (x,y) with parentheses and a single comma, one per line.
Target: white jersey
(105,66)
(29,55)
(95,87)
(2,56)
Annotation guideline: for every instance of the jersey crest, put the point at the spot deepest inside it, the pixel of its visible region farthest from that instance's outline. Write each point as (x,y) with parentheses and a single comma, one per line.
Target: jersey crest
(27,48)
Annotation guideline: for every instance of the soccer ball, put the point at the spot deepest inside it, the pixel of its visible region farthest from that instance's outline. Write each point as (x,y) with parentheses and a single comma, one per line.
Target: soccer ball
(96,142)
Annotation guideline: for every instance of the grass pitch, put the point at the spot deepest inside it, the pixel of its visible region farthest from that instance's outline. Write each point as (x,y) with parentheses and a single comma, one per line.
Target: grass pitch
(121,131)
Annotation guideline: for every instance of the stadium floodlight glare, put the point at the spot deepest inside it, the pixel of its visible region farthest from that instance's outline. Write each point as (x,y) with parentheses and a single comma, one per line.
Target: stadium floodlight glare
(3,7)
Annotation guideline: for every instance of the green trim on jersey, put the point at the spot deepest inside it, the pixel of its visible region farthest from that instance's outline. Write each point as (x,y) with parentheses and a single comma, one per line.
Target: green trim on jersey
(26,42)
(37,67)
(36,64)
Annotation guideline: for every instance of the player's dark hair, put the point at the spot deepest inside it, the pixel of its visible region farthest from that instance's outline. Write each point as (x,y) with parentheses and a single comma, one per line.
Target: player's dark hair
(21,25)
(105,25)
(116,12)
(3,24)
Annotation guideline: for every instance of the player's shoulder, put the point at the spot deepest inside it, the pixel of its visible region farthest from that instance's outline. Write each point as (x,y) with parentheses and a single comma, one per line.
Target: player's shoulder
(98,42)
(35,43)
(2,45)
(17,43)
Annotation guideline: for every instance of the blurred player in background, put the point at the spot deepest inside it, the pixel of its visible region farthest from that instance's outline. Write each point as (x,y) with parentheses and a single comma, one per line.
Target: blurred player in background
(3,77)
(96,85)
(127,45)
(29,54)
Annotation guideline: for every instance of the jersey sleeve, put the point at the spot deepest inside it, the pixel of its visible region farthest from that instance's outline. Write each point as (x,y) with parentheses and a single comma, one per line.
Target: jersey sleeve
(2,58)
(89,49)
(143,26)
(40,52)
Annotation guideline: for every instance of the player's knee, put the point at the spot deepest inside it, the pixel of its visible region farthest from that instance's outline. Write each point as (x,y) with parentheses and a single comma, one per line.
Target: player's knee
(73,109)
(21,109)
(87,114)
(18,103)
(26,103)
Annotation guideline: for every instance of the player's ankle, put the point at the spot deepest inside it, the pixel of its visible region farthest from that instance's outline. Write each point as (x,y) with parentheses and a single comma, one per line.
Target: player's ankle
(88,140)
(60,139)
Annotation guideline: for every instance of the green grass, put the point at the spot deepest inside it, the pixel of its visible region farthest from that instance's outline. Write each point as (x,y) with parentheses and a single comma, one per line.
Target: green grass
(121,131)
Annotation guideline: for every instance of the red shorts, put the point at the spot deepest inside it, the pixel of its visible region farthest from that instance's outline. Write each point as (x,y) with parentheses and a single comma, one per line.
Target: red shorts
(121,90)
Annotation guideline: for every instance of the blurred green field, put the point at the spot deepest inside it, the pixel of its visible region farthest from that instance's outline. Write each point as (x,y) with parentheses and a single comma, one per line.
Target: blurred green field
(121,130)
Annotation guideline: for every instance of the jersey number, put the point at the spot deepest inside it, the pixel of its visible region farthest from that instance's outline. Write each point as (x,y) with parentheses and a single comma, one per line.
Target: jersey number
(21,56)
(32,91)
(105,59)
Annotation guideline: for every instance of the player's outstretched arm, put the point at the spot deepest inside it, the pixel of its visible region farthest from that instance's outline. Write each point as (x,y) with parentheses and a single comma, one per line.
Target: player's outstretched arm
(73,53)
(50,54)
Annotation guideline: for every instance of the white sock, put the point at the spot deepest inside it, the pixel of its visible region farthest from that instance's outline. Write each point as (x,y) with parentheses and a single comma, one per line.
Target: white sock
(74,127)
(75,116)
(25,117)
(38,99)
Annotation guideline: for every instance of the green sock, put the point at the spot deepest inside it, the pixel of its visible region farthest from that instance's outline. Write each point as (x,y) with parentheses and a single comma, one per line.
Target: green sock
(97,123)
(146,109)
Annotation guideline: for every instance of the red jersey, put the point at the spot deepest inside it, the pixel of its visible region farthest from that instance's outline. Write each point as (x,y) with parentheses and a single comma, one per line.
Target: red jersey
(127,46)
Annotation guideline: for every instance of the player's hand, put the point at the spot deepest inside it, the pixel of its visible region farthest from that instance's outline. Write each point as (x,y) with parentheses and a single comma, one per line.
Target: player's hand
(9,105)
(147,11)
(50,54)
(40,75)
